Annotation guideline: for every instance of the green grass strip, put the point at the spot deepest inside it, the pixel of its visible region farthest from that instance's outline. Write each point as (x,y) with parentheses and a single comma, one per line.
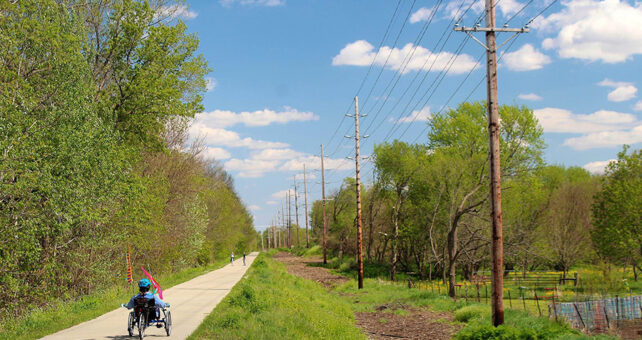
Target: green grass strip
(64,314)
(269,303)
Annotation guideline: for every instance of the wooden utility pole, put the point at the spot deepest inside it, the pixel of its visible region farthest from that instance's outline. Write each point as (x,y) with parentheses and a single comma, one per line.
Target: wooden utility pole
(305,190)
(296,211)
(497,247)
(325,219)
(357,159)
(289,220)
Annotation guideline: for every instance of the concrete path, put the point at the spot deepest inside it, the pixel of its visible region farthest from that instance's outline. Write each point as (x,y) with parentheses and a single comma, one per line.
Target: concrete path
(190,302)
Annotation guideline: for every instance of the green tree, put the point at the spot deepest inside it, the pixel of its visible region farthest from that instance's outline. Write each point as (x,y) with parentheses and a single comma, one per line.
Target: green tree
(617,211)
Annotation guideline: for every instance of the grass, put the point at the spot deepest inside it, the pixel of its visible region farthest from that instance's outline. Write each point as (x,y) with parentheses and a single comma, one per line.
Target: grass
(269,303)
(64,314)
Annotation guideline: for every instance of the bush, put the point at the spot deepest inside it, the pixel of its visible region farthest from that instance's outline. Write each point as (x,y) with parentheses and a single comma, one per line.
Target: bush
(470,312)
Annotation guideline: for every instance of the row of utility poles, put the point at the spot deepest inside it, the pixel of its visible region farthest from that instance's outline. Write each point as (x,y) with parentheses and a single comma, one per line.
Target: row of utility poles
(280,230)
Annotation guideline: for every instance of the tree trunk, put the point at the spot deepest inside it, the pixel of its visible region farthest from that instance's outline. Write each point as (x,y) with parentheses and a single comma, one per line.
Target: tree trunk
(452,251)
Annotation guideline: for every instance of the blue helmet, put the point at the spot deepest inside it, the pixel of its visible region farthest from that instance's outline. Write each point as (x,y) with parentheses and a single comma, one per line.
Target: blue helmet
(144,283)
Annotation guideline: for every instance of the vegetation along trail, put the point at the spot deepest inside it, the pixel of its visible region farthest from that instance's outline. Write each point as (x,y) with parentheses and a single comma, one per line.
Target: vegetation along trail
(190,302)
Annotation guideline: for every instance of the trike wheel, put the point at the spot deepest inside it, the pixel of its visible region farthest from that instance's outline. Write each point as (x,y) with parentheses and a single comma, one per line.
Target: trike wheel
(168,323)
(131,322)
(142,323)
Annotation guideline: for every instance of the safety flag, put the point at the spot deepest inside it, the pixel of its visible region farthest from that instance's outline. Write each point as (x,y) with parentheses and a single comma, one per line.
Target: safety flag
(154,283)
(129,267)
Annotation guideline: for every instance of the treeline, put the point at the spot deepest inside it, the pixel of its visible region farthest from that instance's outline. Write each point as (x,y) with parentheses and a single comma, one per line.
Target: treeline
(95,101)
(428,209)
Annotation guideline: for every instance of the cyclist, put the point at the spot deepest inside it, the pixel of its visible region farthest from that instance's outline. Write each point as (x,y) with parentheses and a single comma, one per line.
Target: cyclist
(143,286)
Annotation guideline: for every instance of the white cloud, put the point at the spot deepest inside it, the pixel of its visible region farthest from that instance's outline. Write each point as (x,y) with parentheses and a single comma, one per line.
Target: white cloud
(623,91)
(267,3)
(422,14)
(638,106)
(598,167)
(509,6)
(216,153)
(265,117)
(254,207)
(276,154)
(271,202)
(361,53)
(564,121)
(526,58)
(222,137)
(422,115)
(606,139)
(282,194)
(529,96)
(250,168)
(593,30)
(176,11)
(455,9)
(210,84)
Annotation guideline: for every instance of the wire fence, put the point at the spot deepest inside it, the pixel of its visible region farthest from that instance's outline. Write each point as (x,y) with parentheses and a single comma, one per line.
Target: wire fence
(598,316)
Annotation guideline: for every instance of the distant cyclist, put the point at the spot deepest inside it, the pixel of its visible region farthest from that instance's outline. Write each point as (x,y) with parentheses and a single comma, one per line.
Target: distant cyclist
(243,258)
(143,286)
(232,259)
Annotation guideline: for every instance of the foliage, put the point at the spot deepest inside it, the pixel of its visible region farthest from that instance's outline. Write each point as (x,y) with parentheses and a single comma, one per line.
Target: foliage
(95,101)
(617,211)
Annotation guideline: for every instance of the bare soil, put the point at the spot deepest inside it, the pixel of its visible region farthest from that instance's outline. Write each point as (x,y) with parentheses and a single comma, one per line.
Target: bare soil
(418,324)
(384,323)
(309,268)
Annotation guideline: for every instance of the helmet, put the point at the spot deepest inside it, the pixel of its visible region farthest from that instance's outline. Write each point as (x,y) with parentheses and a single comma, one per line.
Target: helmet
(144,284)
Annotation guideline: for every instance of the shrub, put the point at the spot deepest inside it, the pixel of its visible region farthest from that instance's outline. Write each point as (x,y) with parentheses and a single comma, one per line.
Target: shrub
(470,312)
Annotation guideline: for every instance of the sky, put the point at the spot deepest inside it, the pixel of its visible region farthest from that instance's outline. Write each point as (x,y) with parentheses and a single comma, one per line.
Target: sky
(285,72)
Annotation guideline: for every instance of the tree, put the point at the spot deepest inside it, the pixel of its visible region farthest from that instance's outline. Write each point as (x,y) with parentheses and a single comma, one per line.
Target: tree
(396,164)
(617,211)
(459,143)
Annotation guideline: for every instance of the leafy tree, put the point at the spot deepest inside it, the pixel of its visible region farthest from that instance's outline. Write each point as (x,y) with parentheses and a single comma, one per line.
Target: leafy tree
(617,211)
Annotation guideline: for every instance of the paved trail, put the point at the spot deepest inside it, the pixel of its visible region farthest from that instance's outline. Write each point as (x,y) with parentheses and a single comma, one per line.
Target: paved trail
(190,301)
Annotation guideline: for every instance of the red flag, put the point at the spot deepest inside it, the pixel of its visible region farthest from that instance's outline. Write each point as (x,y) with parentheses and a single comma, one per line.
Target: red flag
(129,267)
(154,283)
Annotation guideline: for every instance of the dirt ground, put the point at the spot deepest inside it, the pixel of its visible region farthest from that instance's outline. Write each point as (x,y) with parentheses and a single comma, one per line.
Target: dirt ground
(385,323)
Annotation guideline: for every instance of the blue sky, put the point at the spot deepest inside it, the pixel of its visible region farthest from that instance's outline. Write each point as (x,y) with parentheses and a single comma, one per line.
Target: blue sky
(285,72)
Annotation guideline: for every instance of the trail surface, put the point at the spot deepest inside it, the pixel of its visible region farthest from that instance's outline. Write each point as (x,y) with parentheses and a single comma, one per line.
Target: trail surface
(190,301)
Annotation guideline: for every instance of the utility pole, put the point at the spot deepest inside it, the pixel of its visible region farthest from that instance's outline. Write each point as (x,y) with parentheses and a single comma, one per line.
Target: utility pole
(296,211)
(289,220)
(357,159)
(325,219)
(305,190)
(497,247)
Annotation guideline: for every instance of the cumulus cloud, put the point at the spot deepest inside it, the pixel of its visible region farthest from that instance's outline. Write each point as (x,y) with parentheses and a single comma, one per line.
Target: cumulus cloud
(638,106)
(529,96)
(606,139)
(526,58)
(210,84)
(455,9)
(265,117)
(282,194)
(361,53)
(564,121)
(266,3)
(250,168)
(216,153)
(422,115)
(598,167)
(422,14)
(276,154)
(622,91)
(254,207)
(176,11)
(222,137)
(594,30)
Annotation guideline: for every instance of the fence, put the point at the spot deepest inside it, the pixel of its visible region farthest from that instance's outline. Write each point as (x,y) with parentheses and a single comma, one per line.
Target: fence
(599,315)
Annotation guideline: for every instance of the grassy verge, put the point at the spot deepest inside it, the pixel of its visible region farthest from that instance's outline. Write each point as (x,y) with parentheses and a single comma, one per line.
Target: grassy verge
(269,303)
(64,314)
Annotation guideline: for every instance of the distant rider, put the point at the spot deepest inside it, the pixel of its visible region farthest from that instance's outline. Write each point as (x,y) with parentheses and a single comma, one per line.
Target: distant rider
(144,285)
